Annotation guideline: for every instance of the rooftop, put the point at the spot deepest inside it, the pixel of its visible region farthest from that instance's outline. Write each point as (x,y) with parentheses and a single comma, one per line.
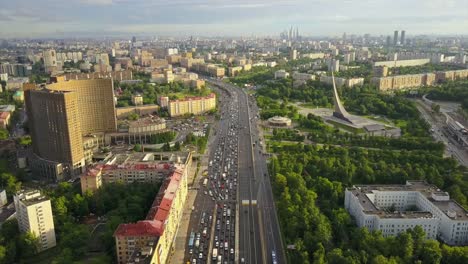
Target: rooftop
(153,225)
(30,197)
(191,98)
(439,198)
(160,162)
(147,121)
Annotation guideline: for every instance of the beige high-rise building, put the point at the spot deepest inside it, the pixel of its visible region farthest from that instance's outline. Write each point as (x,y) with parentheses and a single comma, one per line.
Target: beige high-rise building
(95,103)
(34,214)
(55,126)
(60,116)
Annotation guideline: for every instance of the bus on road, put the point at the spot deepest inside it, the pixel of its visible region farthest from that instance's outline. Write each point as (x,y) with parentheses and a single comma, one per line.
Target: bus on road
(191,239)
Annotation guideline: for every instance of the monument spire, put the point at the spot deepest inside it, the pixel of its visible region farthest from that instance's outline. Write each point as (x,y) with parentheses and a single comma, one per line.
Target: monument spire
(340,111)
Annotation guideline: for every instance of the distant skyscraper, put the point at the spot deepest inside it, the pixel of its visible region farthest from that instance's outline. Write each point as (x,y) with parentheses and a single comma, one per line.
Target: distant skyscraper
(395,37)
(389,41)
(402,40)
(344,37)
(133,39)
(297,33)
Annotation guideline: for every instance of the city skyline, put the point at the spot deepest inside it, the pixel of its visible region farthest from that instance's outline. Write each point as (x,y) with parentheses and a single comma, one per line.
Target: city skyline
(50,18)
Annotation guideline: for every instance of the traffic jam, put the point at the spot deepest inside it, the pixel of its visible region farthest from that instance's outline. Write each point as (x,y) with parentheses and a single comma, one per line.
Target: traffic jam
(214,240)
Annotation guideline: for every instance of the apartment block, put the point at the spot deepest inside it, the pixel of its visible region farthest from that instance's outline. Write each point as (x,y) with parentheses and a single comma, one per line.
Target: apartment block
(393,209)
(192,105)
(234,71)
(398,82)
(34,214)
(401,63)
(156,234)
(115,75)
(135,167)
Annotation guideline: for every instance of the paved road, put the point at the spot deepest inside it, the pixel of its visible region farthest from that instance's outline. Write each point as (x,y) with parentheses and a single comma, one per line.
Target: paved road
(259,233)
(441,134)
(213,220)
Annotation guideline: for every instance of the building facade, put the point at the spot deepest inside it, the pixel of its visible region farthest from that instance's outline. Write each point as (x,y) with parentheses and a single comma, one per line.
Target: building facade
(34,214)
(60,115)
(192,105)
(55,127)
(156,234)
(393,209)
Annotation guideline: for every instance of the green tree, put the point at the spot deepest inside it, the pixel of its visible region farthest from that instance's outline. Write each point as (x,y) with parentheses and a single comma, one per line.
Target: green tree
(319,255)
(430,252)
(137,148)
(166,147)
(177,146)
(28,245)
(75,238)
(4,134)
(3,254)
(65,257)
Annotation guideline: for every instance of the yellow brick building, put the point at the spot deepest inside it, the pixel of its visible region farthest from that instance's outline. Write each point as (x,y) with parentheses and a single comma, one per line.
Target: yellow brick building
(192,105)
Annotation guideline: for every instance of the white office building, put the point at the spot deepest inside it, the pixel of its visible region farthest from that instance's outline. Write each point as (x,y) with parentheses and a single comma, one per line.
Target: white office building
(393,209)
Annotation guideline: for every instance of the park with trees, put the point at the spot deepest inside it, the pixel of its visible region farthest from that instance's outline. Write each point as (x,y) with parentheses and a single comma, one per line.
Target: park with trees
(309,179)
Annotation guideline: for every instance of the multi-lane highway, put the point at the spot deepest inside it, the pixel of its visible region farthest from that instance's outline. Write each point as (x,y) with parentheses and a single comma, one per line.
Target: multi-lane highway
(234,218)
(259,232)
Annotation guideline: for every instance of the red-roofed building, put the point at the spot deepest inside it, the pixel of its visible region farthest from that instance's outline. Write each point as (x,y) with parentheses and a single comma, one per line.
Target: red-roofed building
(162,221)
(135,167)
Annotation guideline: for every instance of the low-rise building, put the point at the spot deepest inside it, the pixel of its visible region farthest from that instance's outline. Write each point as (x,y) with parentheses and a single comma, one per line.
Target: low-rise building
(137,99)
(302,78)
(281,74)
(313,55)
(91,180)
(234,71)
(393,209)
(342,81)
(279,121)
(135,167)
(16,83)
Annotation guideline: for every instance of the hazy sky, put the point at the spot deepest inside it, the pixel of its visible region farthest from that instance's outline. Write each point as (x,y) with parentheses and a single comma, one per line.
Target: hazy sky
(35,18)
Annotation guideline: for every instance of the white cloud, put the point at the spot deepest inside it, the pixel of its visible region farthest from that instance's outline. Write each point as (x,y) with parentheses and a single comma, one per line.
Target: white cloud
(97,2)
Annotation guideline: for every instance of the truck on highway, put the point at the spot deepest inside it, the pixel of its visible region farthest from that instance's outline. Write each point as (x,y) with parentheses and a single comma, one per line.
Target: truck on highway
(205,182)
(215,253)
(197,243)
